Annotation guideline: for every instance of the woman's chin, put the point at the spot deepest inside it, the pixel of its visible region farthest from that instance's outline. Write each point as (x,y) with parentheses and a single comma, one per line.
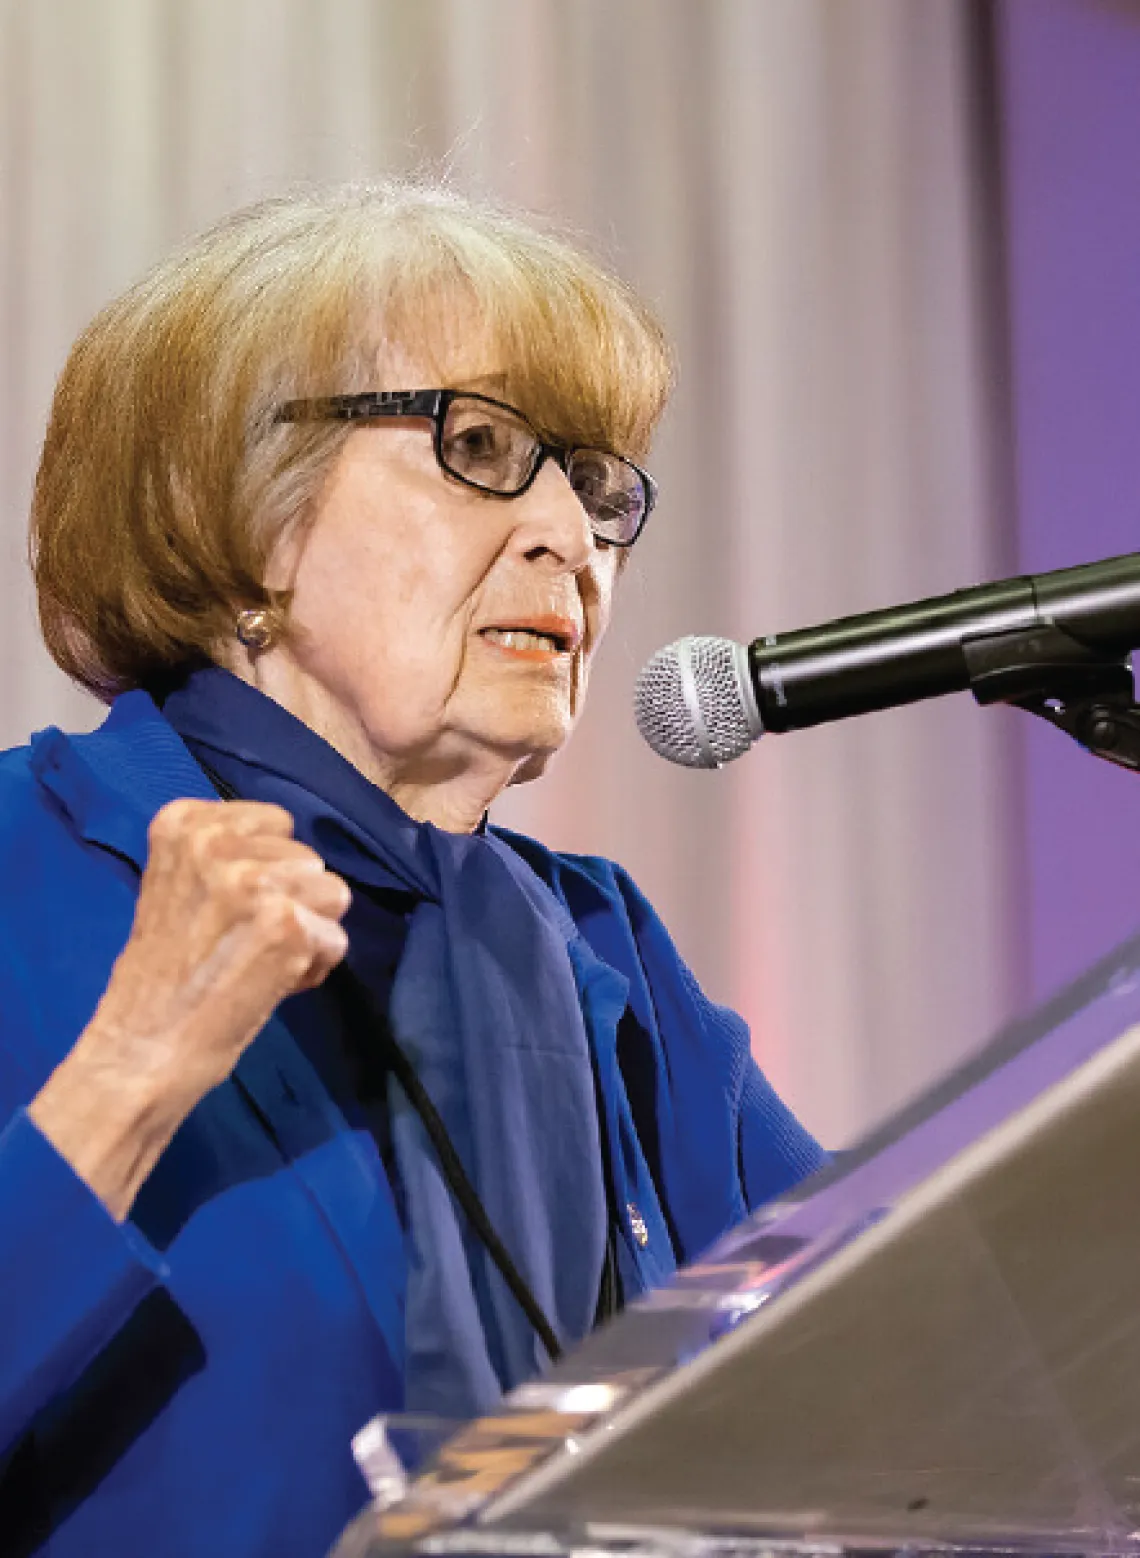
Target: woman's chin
(532,744)
(530,730)
(533,768)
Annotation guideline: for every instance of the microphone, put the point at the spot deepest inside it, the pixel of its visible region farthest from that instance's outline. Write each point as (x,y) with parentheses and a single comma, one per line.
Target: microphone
(704,701)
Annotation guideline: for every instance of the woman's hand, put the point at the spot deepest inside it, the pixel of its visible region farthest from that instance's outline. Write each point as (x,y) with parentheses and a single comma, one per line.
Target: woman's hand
(233,916)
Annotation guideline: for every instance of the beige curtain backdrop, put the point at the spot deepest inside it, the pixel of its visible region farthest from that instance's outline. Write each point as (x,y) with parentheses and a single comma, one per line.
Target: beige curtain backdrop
(796,184)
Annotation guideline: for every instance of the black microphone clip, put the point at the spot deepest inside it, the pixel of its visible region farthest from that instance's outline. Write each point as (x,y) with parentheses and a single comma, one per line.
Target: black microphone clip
(1088,693)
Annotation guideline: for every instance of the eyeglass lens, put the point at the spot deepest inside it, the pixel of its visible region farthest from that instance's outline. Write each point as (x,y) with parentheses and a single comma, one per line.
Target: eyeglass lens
(492,447)
(488,445)
(610,491)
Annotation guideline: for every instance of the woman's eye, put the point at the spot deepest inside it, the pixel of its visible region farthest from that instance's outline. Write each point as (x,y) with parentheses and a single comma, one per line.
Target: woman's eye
(479,441)
(490,449)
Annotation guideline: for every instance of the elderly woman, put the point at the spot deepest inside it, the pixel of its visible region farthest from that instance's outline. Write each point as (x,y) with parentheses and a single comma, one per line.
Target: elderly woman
(320,1096)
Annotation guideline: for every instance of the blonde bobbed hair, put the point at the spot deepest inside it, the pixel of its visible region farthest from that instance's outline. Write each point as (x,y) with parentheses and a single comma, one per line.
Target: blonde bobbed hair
(165,481)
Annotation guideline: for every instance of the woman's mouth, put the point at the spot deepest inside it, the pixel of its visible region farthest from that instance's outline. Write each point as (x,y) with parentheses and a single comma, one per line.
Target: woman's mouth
(535,639)
(522,640)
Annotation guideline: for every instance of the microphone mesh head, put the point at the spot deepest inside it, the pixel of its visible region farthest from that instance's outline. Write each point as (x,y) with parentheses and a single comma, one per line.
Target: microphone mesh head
(694,702)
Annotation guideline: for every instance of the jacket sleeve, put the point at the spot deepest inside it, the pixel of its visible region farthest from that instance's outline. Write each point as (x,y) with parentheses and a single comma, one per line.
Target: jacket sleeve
(774,1150)
(70,1276)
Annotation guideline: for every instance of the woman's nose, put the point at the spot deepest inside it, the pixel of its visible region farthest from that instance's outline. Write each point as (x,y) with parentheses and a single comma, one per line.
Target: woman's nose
(552,523)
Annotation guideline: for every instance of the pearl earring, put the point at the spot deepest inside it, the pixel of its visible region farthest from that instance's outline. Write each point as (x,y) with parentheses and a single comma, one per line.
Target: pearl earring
(254,628)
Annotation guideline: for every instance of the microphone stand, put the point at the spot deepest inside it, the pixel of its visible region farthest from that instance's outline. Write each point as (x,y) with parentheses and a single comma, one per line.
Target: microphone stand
(1086,691)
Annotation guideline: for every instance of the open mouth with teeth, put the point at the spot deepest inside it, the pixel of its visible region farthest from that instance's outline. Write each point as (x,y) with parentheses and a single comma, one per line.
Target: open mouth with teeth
(530,641)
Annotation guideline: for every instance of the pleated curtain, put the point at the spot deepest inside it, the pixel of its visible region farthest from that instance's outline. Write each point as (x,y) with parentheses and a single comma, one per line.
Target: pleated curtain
(804,188)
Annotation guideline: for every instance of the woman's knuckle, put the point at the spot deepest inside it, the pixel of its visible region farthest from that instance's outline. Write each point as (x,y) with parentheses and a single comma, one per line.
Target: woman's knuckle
(209,844)
(171,822)
(296,965)
(260,817)
(277,923)
(280,820)
(236,882)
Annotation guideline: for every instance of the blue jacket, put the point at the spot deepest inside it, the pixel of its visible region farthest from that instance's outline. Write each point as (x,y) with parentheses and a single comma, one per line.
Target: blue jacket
(189,1382)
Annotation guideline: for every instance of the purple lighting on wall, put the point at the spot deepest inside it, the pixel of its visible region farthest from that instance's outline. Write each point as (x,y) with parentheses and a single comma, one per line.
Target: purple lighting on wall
(1070,89)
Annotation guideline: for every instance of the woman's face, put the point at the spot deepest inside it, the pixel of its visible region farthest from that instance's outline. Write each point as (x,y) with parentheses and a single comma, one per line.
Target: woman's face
(439,636)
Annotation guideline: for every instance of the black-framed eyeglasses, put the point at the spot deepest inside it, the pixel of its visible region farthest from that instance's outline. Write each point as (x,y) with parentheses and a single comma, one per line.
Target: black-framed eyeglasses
(488,445)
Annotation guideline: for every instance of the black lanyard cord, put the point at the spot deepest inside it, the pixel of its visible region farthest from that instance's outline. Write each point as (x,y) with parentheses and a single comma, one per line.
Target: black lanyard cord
(450,1162)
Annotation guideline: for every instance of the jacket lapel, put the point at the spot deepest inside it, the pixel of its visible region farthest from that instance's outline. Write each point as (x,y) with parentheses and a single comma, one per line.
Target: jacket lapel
(338,1168)
(645,1249)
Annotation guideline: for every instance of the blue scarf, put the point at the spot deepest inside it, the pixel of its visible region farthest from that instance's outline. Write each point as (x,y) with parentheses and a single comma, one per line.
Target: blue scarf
(487,988)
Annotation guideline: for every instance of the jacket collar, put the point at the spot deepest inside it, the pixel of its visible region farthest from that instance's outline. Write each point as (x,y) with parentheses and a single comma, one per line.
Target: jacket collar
(111,782)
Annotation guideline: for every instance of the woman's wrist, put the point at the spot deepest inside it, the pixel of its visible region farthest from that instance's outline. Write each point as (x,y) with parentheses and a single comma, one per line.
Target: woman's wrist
(111,1126)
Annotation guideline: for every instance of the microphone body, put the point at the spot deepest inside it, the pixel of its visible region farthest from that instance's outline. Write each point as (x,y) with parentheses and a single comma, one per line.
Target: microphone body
(858,665)
(723,696)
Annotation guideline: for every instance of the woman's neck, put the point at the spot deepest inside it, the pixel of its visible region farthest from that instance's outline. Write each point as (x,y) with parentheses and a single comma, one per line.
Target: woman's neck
(451,791)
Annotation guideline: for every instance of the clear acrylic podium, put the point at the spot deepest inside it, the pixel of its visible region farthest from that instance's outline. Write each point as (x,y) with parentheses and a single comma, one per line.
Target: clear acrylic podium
(932,1346)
